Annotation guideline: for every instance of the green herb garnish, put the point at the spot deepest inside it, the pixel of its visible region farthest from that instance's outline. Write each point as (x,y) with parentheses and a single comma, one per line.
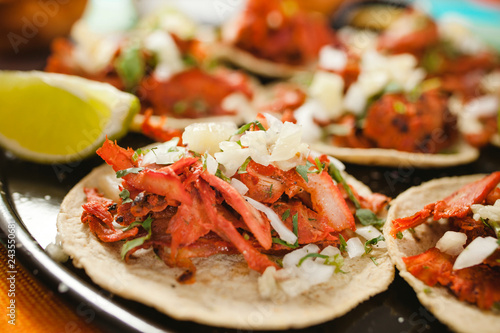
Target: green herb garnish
(124,172)
(285,215)
(140,240)
(139,152)
(369,243)
(374,260)
(130,66)
(364,216)
(125,196)
(399,235)
(246,127)
(343,243)
(243,167)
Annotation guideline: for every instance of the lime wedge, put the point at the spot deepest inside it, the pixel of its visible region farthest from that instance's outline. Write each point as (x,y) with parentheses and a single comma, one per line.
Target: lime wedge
(56,118)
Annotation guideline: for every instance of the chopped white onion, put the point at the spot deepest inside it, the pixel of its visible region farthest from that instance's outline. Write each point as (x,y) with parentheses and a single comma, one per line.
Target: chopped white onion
(355,247)
(239,186)
(452,243)
(475,253)
(212,164)
(291,259)
(167,54)
(355,99)
(369,232)
(305,116)
(328,89)
(284,233)
(205,137)
(486,105)
(331,58)
(488,212)
(266,283)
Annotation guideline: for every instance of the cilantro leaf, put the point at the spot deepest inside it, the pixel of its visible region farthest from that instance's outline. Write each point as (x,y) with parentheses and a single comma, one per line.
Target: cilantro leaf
(246,127)
(243,167)
(124,172)
(285,215)
(277,240)
(125,196)
(367,217)
(343,243)
(312,255)
(130,66)
(140,240)
(369,243)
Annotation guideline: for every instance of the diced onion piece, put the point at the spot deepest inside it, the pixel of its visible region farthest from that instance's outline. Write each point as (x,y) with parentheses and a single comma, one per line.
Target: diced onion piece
(475,253)
(330,251)
(314,272)
(291,259)
(331,58)
(284,233)
(266,283)
(491,212)
(369,232)
(355,99)
(452,243)
(205,137)
(56,252)
(239,186)
(212,164)
(328,89)
(231,157)
(486,105)
(167,54)
(355,247)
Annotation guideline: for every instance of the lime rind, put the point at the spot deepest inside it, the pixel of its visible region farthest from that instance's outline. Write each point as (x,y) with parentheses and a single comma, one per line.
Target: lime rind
(111,112)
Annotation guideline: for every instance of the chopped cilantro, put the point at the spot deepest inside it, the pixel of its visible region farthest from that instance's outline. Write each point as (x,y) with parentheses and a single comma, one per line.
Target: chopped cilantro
(222,176)
(295,222)
(399,235)
(125,196)
(129,245)
(285,215)
(367,217)
(369,243)
(277,240)
(427,290)
(343,243)
(243,167)
(374,260)
(124,172)
(245,235)
(337,260)
(312,255)
(270,193)
(139,152)
(130,66)
(246,127)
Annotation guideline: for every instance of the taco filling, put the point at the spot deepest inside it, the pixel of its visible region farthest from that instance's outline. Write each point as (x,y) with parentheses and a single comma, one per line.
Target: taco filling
(465,260)
(255,191)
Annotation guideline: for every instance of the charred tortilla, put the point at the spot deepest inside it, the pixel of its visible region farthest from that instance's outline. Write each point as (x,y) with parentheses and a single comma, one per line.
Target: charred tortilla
(463,153)
(225,293)
(459,316)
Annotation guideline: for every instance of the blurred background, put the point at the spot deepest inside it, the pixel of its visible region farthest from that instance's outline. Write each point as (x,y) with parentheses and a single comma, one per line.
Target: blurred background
(28,26)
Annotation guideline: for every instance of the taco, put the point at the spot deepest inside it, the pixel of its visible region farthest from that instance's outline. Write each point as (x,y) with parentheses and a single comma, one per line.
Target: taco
(274,38)
(428,227)
(181,237)
(163,63)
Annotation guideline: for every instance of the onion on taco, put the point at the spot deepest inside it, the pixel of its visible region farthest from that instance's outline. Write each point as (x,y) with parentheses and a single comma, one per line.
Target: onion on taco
(237,221)
(443,237)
